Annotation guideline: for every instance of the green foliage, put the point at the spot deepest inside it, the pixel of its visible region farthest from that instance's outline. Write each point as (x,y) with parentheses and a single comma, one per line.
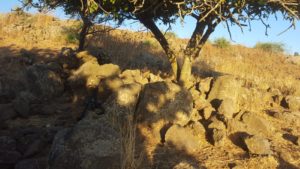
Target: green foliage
(296,54)
(222,43)
(270,47)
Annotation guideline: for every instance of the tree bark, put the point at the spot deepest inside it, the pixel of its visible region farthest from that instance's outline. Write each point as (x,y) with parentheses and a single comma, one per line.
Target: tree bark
(200,35)
(82,35)
(150,24)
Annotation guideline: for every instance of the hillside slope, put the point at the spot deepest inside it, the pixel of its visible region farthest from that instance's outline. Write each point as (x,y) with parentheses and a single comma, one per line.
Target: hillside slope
(242,112)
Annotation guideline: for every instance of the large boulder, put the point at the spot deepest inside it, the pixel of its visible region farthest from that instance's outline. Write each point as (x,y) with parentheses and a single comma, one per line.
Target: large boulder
(225,87)
(258,145)
(133,76)
(293,102)
(123,102)
(190,138)
(90,144)
(43,82)
(165,101)
(9,89)
(90,73)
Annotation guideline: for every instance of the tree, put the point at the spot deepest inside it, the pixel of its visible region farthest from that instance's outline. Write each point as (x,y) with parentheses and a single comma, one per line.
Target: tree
(296,54)
(208,14)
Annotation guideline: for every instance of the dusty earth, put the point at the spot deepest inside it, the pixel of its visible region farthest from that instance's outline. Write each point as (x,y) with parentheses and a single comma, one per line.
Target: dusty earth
(60,109)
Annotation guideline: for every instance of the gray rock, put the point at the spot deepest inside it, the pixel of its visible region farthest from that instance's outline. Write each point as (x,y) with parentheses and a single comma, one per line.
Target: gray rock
(9,89)
(31,164)
(43,82)
(225,87)
(22,103)
(293,102)
(189,138)
(218,136)
(7,143)
(34,148)
(90,144)
(256,125)
(227,108)
(258,145)
(7,112)
(165,101)
(9,157)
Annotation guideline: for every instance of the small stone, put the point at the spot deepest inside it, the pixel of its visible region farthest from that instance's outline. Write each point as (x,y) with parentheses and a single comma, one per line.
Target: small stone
(9,157)
(258,145)
(7,143)
(218,136)
(207,112)
(227,108)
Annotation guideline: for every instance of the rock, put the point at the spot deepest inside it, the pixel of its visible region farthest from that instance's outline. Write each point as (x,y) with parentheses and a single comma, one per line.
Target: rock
(217,124)
(200,103)
(256,125)
(190,138)
(204,85)
(207,112)
(227,108)
(154,78)
(9,89)
(186,165)
(9,157)
(133,76)
(43,82)
(7,143)
(225,87)
(67,59)
(34,148)
(22,104)
(293,103)
(218,136)
(31,164)
(165,101)
(109,86)
(122,102)
(258,145)
(85,57)
(6,112)
(298,141)
(90,74)
(90,144)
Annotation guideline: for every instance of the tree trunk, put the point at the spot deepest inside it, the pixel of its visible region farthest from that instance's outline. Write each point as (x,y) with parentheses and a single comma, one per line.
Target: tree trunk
(195,45)
(82,36)
(150,24)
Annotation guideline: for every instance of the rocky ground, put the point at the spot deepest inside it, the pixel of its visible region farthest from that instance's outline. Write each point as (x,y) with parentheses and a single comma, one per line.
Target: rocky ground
(62,109)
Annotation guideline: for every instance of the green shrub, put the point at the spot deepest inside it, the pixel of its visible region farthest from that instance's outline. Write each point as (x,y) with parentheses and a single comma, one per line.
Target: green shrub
(222,43)
(270,47)
(72,37)
(296,54)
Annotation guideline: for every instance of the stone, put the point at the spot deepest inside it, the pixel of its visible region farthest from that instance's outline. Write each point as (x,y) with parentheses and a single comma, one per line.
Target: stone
(258,145)
(90,73)
(205,84)
(200,103)
(9,89)
(7,112)
(218,136)
(109,86)
(186,165)
(190,138)
(133,76)
(293,102)
(34,148)
(122,102)
(22,104)
(227,108)
(164,101)
(207,112)
(225,87)
(90,144)
(43,82)
(31,164)
(217,124)
(256,125)
(9,157)
(7,143)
